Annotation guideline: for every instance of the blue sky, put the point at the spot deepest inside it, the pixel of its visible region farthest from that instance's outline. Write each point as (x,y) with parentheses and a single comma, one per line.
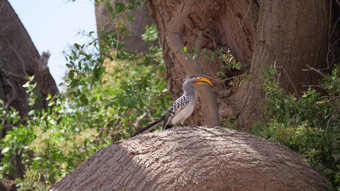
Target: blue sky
(54,25)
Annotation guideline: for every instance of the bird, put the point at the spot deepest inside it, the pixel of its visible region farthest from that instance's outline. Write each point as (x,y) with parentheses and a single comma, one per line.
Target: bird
(182,107)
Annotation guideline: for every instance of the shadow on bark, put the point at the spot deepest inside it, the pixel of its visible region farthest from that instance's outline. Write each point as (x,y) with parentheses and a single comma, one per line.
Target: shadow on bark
(194,158)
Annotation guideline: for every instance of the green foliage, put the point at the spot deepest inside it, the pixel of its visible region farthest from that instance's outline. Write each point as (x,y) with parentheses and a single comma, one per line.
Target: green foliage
(14,144)
(229,62)
(107,96)
(308,125)
(151,34)
(48,143)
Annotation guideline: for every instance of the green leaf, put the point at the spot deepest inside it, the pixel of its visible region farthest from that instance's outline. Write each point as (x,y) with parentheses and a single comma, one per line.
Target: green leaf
(119,6)
(185,49)
(77,46)
(130,18)
(109,7)
(5,150)
(30,113)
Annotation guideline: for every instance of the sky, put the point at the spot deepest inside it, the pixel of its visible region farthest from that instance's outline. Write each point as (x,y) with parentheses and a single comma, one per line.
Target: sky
(54,25)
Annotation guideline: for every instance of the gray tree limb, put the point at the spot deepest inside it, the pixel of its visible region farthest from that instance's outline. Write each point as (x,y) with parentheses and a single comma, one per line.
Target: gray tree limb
(189,64)
(193,158)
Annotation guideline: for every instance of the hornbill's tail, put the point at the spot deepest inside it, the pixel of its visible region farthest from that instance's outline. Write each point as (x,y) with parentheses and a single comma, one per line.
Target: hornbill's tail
(149,126)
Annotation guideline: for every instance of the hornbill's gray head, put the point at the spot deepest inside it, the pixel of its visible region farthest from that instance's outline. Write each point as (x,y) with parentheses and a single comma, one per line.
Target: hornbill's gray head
(190,81)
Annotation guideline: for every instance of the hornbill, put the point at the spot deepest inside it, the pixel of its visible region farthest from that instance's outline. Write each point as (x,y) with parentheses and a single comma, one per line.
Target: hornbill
(183,107)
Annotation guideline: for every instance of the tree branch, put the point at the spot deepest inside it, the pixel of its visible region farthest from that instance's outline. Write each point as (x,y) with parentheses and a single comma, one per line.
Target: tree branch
(191,67)
(193,158)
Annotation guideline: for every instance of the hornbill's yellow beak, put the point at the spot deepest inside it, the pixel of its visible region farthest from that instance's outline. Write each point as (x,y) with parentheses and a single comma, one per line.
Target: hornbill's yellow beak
(203,80)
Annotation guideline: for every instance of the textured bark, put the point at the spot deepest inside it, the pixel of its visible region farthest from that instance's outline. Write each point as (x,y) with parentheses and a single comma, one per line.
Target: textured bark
(133,40)
(171,36)
(259,33)
(193,158)
(287,36)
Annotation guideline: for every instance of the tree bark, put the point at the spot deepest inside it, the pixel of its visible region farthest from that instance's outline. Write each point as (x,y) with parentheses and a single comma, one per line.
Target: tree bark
(19,59)
(193,158)
(287,37)
(133,40)
(259,33)
(173,45)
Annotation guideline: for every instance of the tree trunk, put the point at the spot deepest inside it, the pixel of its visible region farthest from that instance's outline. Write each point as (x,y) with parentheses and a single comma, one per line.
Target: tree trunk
(19,59)
(259,33)
(133,40)
(193,158)
(171,18)
(287,37)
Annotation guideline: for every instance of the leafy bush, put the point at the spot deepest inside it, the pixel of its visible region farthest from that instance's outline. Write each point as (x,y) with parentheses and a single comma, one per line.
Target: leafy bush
(308,124)
(107,96)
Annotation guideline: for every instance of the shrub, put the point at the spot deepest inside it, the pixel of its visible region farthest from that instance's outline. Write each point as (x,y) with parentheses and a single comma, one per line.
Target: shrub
(107,96)
(308,124)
